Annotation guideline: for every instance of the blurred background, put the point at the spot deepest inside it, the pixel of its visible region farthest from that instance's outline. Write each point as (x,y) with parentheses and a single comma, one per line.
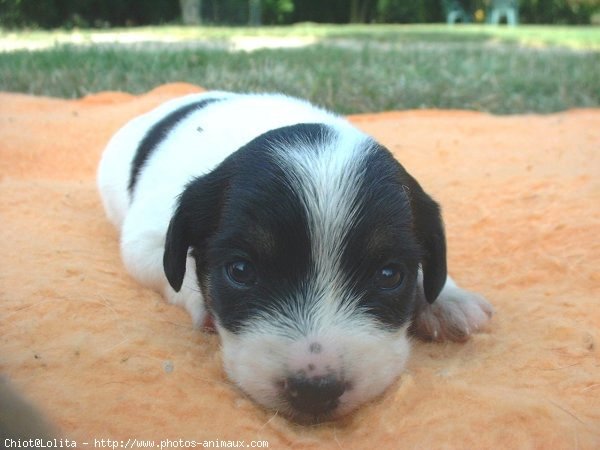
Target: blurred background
(352,56)
(112,13)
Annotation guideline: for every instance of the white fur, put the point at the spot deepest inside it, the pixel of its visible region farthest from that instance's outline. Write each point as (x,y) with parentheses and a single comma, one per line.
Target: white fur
(352,345)
(328,181)
(369,358)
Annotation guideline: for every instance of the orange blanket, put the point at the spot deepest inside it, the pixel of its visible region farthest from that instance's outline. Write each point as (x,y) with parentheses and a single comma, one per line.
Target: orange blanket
(104,358)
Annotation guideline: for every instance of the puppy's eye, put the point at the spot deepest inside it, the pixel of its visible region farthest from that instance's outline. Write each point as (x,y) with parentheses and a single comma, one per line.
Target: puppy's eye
(241,273)
(389,277)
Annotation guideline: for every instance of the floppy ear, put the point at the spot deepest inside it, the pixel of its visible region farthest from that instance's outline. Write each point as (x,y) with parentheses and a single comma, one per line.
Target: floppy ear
(429,229)
(194,221)
(176,249)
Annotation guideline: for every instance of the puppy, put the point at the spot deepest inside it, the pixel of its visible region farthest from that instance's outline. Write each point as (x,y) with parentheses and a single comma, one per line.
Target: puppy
(311,248)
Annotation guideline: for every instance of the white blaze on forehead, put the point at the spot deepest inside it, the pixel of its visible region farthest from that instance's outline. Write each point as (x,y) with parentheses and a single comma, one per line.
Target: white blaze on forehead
(328,180)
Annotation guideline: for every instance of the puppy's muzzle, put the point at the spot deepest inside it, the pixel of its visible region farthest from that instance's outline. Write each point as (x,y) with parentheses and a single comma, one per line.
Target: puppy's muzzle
(314,396)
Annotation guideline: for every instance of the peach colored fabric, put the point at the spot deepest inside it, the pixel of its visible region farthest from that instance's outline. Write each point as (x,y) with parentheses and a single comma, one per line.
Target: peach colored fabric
(106,358)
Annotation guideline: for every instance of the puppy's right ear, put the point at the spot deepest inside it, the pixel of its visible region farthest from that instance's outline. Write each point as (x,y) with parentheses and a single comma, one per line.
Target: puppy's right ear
(194,221)
(176,249)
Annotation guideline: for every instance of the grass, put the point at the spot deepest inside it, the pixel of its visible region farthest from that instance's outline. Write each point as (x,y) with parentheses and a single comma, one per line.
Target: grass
(350,69)
(580,37)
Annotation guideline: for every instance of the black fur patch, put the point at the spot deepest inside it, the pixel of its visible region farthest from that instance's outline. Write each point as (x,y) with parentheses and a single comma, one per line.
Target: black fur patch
(398,224)
(382,235)
(263,220)
(251,209)
(159,131)
(246,209)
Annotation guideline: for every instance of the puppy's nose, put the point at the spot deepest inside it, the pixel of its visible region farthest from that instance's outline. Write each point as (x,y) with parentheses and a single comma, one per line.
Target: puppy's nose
(316,395)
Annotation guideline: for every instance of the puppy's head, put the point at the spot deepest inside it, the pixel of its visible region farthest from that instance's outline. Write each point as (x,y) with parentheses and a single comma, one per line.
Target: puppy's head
(308,242)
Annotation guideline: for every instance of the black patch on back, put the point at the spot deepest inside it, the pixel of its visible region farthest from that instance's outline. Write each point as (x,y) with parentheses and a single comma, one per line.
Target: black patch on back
(159,131)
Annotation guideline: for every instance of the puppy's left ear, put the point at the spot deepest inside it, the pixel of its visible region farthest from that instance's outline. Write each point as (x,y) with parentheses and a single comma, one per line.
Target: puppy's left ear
(429,229)
(194,221)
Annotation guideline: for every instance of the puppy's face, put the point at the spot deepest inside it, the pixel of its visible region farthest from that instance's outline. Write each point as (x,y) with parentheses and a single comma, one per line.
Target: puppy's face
(308,242)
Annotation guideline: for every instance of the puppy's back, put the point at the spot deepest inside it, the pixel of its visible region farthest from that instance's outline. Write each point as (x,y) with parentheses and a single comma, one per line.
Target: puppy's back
(181,142)
(115,165)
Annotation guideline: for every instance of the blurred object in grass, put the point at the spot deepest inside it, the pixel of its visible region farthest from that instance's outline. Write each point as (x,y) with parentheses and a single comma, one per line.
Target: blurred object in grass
(479,15)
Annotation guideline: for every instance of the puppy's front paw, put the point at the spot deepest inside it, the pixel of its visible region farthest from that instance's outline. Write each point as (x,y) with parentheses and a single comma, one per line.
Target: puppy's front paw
(454,316)
(190,299)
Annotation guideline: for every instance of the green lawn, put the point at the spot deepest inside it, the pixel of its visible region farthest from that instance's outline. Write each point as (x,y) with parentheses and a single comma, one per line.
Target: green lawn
(350,68)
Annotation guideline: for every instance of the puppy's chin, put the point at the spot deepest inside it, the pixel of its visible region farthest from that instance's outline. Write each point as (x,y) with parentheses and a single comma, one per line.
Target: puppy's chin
(363,356)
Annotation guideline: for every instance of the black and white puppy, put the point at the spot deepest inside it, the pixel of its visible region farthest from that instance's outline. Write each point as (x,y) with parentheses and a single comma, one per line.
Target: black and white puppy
(310,246)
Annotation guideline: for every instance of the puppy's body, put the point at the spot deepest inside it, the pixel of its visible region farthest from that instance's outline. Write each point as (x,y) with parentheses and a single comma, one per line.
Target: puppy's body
(311,247)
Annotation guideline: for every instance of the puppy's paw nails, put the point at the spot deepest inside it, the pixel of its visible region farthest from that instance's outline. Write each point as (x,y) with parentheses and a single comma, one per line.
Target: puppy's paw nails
(476,309)
(482,303)
(454,316)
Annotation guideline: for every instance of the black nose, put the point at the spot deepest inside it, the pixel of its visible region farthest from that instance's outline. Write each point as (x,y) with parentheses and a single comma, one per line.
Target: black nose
(315,396)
